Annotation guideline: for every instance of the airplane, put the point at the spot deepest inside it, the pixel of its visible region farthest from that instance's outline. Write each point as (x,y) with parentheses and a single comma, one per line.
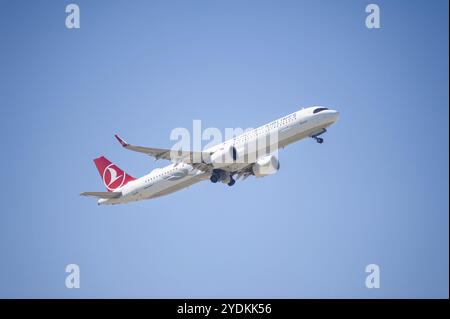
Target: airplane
(219,163)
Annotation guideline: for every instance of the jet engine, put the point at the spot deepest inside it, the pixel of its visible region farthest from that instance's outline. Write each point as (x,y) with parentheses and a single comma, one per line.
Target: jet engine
(222,157)
(267,165)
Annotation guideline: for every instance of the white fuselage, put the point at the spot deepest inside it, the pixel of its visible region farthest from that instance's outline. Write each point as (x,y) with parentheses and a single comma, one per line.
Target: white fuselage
(176,176)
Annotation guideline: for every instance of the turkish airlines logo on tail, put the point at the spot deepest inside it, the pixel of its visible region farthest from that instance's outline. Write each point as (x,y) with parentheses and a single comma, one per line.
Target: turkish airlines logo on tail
(112,178)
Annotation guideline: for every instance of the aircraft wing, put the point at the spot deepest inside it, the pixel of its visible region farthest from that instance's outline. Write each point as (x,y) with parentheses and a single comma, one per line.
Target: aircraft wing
(102,194)
(188,157)
(244,172)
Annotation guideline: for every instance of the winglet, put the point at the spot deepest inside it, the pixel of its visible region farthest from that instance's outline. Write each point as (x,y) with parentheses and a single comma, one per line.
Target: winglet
(121,141)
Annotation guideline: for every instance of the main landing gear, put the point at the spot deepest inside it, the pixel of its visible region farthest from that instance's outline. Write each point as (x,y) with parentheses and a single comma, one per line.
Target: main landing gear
(214,178)
(222,176)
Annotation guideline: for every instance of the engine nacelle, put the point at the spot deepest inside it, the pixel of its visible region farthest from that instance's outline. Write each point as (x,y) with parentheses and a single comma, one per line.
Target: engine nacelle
(223,157)
(267,165)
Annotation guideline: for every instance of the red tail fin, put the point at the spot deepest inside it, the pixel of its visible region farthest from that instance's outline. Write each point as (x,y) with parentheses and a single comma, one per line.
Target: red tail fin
(113,177)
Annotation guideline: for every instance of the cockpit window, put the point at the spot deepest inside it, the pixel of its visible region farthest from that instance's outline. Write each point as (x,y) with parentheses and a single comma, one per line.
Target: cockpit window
(319,109)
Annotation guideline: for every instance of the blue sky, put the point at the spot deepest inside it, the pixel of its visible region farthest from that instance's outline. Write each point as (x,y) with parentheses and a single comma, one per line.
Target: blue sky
(375,192)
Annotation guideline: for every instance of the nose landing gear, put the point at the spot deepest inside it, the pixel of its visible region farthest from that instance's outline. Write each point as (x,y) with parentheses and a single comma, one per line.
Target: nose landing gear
(317,138)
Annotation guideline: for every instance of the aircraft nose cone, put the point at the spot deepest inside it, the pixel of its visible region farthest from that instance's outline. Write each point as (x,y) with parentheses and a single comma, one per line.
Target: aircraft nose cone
(335,115)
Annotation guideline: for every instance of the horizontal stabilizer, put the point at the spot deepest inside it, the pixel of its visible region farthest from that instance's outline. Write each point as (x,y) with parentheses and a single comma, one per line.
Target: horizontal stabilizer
(102,194)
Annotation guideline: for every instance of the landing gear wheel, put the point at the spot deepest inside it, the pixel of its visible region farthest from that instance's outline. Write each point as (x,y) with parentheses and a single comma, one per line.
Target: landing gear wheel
(214,178)
(319,140)
(231,182)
